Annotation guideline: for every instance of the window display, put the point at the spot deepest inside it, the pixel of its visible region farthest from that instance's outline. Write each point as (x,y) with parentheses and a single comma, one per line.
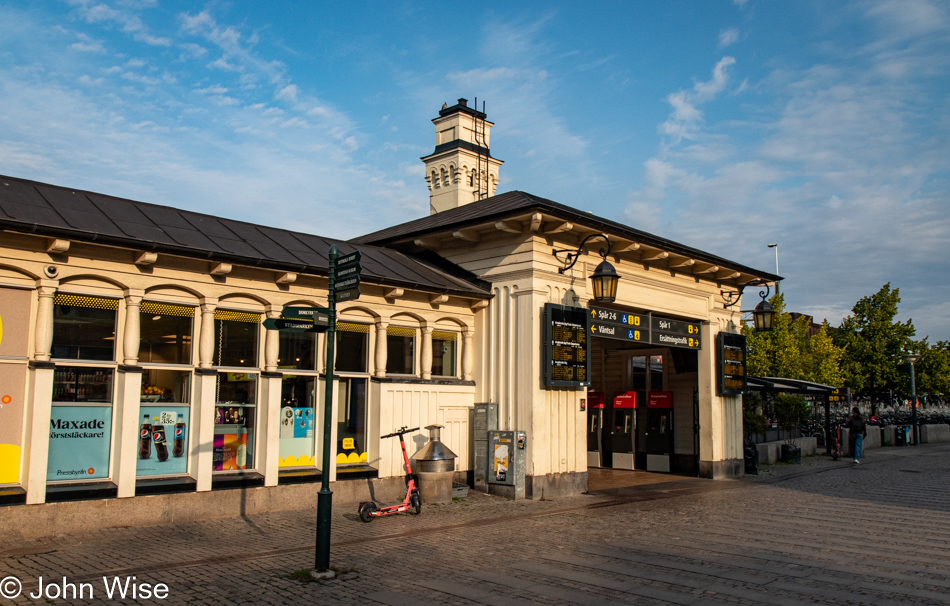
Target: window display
(236,338)
(165,332)
(352,347)
(297,422)
(444,347)
(163,433)
(351,422)
(401,350)
(82,384)
(235,421)
(84,327)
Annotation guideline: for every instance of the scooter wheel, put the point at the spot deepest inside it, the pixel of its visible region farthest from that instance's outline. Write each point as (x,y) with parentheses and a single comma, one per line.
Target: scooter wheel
(415,504)
(366,511)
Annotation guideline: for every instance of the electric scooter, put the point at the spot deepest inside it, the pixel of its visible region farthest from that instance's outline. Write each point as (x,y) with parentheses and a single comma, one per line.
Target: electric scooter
(412,503)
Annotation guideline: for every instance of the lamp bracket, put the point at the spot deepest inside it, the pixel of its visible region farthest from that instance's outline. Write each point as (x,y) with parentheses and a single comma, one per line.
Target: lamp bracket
(732,297)
(571,255)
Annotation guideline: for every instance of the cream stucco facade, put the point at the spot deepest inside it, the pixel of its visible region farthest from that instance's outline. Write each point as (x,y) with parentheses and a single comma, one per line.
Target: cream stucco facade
(458,297)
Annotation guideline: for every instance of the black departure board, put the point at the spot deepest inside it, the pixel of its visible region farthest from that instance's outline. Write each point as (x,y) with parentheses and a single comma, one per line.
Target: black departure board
(566,361)
(731,363)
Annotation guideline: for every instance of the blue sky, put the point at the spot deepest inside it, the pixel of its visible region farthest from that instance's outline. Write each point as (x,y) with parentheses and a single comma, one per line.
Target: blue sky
(823,126)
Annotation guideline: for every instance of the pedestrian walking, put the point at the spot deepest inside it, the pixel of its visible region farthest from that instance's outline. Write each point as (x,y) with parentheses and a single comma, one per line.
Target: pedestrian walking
(857,429)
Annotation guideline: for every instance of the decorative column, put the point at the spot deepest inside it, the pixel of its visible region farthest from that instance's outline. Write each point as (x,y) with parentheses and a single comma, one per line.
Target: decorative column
(44,320)
(125,413)
(427,352)
(468,354)
(382,350)
(130,344)
(268,421)
(271,341)
(205,396)
(206,339)
(39,407)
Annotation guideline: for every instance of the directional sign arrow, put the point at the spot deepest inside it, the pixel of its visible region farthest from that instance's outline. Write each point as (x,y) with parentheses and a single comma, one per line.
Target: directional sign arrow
(349,294)
(318,315)
(353,257)
(349,271)
(292,325)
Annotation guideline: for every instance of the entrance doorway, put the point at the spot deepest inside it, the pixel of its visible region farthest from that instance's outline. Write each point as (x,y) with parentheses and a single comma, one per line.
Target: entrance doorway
(641,412)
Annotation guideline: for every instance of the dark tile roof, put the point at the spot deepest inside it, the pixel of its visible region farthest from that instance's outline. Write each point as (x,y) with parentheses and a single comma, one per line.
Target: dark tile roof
(58,212)
(515,203)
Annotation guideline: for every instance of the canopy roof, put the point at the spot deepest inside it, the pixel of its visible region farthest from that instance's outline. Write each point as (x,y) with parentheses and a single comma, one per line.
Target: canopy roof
(781,384)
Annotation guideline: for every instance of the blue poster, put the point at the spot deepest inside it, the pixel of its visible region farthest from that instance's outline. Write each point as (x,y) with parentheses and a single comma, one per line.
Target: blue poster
(163,440)
(80,438)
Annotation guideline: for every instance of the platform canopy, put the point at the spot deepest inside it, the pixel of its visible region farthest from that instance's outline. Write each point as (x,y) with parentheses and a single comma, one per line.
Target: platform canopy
(783,385)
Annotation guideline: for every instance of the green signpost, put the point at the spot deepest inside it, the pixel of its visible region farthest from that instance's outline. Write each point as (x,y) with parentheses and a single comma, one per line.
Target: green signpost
(344,280)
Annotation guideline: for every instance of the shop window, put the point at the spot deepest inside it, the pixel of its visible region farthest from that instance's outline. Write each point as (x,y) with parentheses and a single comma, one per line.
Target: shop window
(80,424)
(297,422)
(165,332)
(444,353)
(165,420)
(84,327)
(401,350)
(352,347)
(351,422)
(235,421)
(236,338)
(297,351)
(82,384)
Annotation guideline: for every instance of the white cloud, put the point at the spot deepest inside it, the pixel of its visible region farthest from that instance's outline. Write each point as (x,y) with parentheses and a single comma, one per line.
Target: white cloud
(86,47)
(728,37)
(288,93)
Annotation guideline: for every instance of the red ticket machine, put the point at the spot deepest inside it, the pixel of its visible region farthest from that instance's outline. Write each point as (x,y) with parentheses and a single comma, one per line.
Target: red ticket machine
(623,429)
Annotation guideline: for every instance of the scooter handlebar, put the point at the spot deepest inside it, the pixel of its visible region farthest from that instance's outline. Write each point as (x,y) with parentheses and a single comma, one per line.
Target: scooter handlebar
(399,432)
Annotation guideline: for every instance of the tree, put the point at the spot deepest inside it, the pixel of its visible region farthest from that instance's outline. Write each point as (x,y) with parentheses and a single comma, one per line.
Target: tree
(872,343)
(787,350)
(933,369)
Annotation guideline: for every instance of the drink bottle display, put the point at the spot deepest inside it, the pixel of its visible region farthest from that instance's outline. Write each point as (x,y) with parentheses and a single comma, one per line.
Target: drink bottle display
(179,448)
(158,436)
(145,439)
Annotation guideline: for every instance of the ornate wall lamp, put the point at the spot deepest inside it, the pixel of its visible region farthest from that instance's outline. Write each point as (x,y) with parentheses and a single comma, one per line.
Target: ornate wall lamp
(604,280)
(763,315)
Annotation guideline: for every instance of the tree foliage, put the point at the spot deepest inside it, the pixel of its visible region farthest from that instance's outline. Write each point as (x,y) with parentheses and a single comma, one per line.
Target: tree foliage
(933,368)
(787,351)
(872,343)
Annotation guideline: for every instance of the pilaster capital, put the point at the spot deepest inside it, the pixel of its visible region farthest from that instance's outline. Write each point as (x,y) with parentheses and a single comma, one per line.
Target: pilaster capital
(208,304)
(131,293)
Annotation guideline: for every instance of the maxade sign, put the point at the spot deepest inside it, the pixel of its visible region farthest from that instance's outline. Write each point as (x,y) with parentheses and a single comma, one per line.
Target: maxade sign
(79,439)
(731,364)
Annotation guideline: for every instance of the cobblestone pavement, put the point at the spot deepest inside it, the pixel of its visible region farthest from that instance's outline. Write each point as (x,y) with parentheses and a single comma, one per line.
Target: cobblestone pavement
(822,532)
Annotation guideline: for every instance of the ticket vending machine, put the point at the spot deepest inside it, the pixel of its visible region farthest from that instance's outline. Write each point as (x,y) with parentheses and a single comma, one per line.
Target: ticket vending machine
(623,429)
(657,443)
(595,418)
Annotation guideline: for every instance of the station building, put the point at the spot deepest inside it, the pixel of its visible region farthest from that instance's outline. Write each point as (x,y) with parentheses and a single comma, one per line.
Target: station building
(122,319)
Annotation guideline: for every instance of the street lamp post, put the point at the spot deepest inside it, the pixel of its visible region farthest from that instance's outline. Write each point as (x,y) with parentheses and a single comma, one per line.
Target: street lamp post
(910,358)
(775,246)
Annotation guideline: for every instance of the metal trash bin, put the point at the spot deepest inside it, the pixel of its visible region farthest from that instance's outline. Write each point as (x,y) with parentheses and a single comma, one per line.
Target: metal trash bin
(751,455)
(435,468)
